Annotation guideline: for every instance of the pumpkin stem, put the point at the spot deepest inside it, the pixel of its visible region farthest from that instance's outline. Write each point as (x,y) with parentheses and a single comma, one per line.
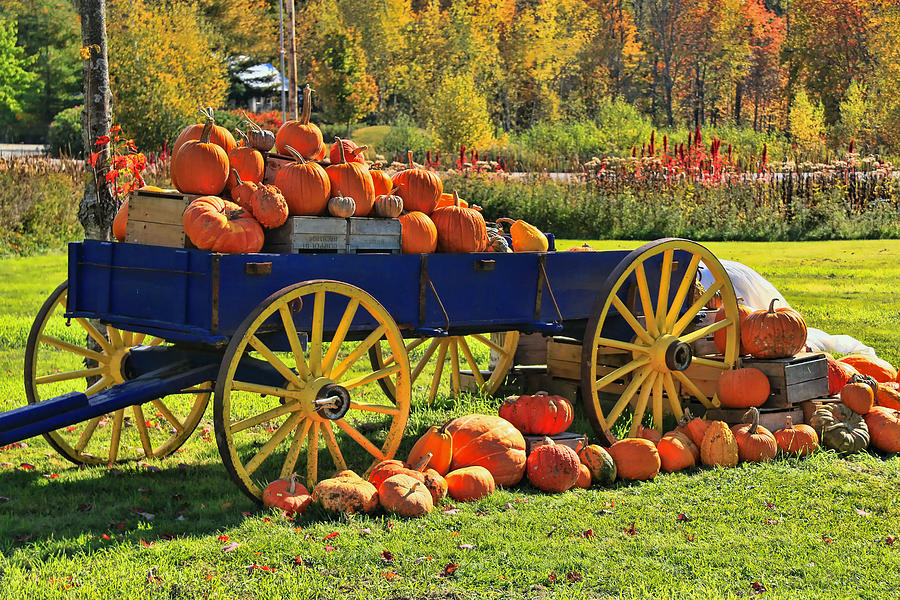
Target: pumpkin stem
(297,156)
(547,441)
(237,177)
(244,137)
(753,413)
(685,417)
(771,310)
(789,422)
(340,144)
(307,105)
(423,462)
(455,198)
(204,135)
(207,114)
(358,150)
(409,157)
(293,487)
(253,124)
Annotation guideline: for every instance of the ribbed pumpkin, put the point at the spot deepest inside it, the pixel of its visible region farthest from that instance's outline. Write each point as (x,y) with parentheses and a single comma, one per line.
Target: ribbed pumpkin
(421,188)
(694,427)
(584,477)
(268,206)
(353,180)
(387,206)
(459,229)
(200,167)
(799,439)
(381,183)
(438,442)
(599,463)
(120,223)
(552,467)
(418,233)
(888,395)
(677,451)
(242,192)
(526,237)
(468,484)
(218,135)
(884,428)
(387,468)
(288,495)
(406,496)
(346,492)
(840,428)
(303,136)
(881,370)
(720,336)
(859,394)
(436,484)
(341,206)
(221,226)
(490,442)
(773,333)
(719,447)
(743,388)
(538,414)
(446,199)
(755,442)
(305,185)
(635,458)
(352,152)
(839,374)
(259,138)
(247,161)
(648,433)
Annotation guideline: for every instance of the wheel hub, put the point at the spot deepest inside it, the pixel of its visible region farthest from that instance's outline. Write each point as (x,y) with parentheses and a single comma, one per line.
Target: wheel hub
(323,400)
(669,353)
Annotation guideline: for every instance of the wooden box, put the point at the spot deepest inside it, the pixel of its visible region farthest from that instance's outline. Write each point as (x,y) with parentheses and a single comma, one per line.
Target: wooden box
(705,345)
(564,362)
(705,378)
(373,235)
(273,164)
(566,438)
(794,379)
(333,235)
(520,380)
(772,419)
(155,218)
(809,406)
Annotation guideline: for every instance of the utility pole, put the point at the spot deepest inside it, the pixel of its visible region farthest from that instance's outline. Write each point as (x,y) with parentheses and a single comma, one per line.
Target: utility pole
(292,62)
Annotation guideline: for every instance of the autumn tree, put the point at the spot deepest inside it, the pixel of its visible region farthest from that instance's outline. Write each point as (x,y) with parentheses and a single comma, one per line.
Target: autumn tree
(459,114)
(15,74)
(763,84)
(807,123)
(338,72)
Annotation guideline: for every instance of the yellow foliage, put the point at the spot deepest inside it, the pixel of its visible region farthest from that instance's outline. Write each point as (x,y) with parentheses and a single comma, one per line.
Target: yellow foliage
(459,115)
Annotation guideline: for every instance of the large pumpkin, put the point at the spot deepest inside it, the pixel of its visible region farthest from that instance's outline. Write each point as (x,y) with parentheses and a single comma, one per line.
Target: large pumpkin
(346,492)
(755,442)
(303,136)
(352,152)
(743,388)
(839,374)
(538,414)
(797,439)
(406,496)
(721,336)
(552,467)
(881,370)
(773,333)
(468,484)
(719,447)
(599,463)
(438,442)
(490,442)
(389,468)
(421,188)
(353,180)
(884,428)
(305,185)
(677,451)
(460,229)
(221,226)
(418,235)
(268,206)
(888,395)
(200,167)
(635,458)
(694,427)
(218,135)
(247,161)
(859,394)
(840,428)
(382,183)
(526,237)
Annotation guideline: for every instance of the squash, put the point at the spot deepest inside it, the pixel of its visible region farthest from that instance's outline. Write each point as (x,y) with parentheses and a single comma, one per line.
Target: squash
(341,206)
(840,428)
(773,333)
(743,388)
(694,427)
(418,235)
(459,229)
(526,237)
(552,467)
(755,442)
(353,180)
(468,484)
(218,135)
(300,134)
(719,448)
(405,496)
(221,226)
(259,138)
(389,468)
(288,495)
(888,395)
(880,369)
(438,442)
(538,414)
(120,223)
(268,206)
(677,451)
(839,374)
(200,167)
(388,206)
(352,153)
(436,485)
(381,182)
(496,240)
(599,463)
(884,427)
(304,184)
(242,192)
(720,336)
(421,188)
(799,440)
(648,433)
(584,477)
(859,394)
(346,492)
(635,458)
(247,161)
(490,442)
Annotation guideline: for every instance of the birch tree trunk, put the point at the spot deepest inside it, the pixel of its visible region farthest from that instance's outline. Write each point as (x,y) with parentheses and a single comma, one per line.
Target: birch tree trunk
(98,207)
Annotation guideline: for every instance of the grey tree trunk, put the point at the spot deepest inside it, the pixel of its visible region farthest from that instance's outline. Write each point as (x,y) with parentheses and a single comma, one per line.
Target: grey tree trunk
(98,207)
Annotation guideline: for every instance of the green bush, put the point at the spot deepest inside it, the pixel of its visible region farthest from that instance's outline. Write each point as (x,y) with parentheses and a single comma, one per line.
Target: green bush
(64,138)
(403,136)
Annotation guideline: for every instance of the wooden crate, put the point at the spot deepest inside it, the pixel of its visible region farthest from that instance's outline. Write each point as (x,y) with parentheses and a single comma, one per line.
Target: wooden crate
(155,218)
(705,378)
(566,438)
(564,362)
(705,346)
(525,379)
(531,349)
(355,235)
(570,389)
(772,419)
(794,379)
(273,164)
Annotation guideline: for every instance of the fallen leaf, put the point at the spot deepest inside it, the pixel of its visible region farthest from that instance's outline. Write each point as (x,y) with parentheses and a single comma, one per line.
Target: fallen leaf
(105,537)
(223,538)
(573,576)
(480,513)
(329,548)
(144,515)
(683,518)
(23,538)
(509,506)
(630,530)
(332,535)
(85,507)
(27,467)
(552,577)
(246,514)
(389,574)
(771,521)
(227,504)
(552,531)
(365,531)
(861,512)
(452,511)
(152,577)
(231,547)
(169,536)
(770,505)
(826,540)
(757,588)
(604,512)
(466,546)
(422,559)
(689,537)
(889,540)
(144,491)
(449,570)
(177,497)
(589,534)
(251,568)
(298,561)
(50,476)
(387,556)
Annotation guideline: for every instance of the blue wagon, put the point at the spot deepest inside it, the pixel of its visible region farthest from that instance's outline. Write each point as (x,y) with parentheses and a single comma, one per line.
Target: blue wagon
(311,359)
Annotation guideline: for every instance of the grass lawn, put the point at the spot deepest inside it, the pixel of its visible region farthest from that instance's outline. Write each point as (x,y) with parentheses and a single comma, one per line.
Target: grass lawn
(371,136)
(821,527)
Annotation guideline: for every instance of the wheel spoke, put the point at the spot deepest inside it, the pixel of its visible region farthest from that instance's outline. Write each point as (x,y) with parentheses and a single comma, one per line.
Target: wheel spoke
(333,449)
(693,336)
(438,371)
(95,334)
(658,403)
(636,380)
(623,370)
(454,367)
(370,377)
(672,393)
(168,416)
(115,336)
(339,335)
(360,439)
(276,362)
(67,375)
(290,461)
(409,348)
(272,413)
(692,388)
(490,344)
(630,318)
(98,385)
(354,356)
(127,336)
(622,345)
(470,359)
(646,303)
(425,358)
(142,430)
(686,283)
(663,297)
(138,338)
(296,349)
(312,455)
(269,447)
(265,390)
(709,362)
(155,342)
(687,317)
(642,404)
(376,408)
(86,435)
(315,341)
(63,345)
(118,420)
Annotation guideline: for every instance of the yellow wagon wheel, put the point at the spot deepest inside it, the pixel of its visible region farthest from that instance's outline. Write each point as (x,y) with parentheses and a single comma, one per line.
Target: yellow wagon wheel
(329,396)
(64,356)
(486,358)
(653,332)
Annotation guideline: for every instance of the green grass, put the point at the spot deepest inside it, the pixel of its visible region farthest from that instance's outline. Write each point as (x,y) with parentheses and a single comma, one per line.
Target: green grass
(371,136)
(812,528)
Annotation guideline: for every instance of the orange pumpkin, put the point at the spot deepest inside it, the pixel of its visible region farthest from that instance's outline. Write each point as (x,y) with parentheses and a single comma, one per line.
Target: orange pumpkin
(218,135)
(447,200)
(719,448)
(200,167)
(839,374)
(755,443)
(720,336)
(888,395)
(490,442)
(418,234)
(773,333)
(677,451)
(305,186)
(247,161)
(468,484)
(381,182)
(288,495)
(859,395)
(635,458)
(388,468)
(303,136)
(743,388)
(436,484)
(538,414)
(405,496)
(884,428)
(268,206)
(352,152)
(460,229)
(242,192)
(881,370)
(439,443)
(552,467)
(584,477)
(346,492)
(421,188)
(120,223)
(648,433)
(693,427)
(353,180)
(221,226)
(797,439)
